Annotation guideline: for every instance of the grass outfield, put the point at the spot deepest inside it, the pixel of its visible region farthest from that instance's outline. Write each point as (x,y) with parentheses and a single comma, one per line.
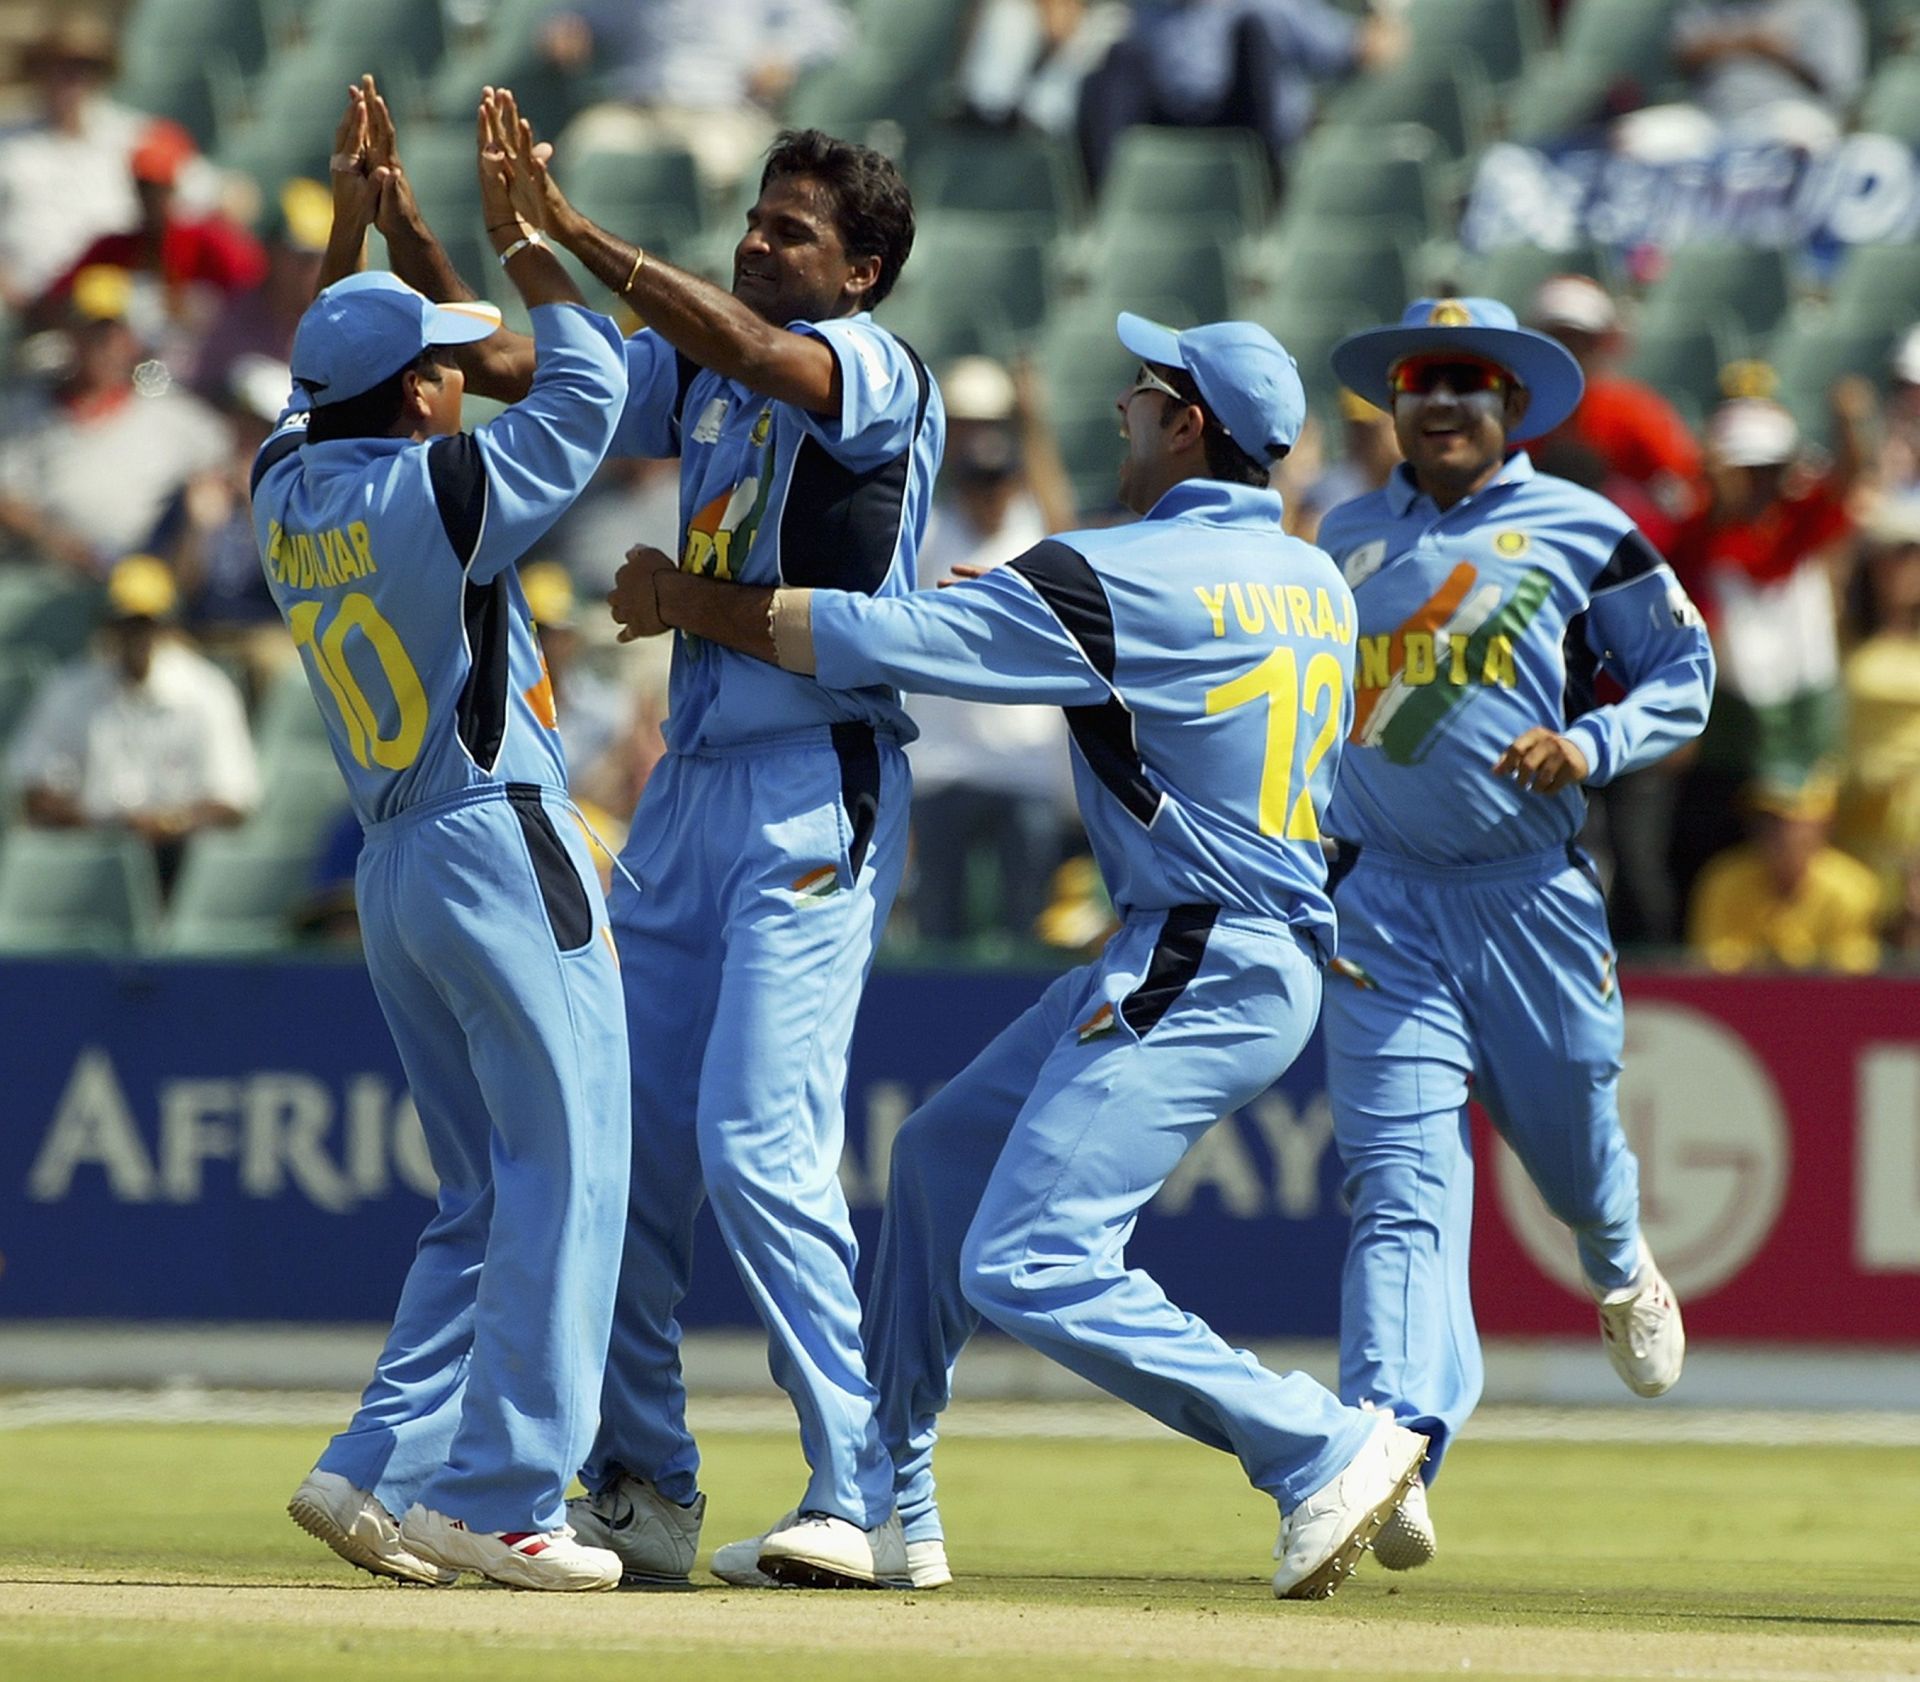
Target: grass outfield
(161,1551)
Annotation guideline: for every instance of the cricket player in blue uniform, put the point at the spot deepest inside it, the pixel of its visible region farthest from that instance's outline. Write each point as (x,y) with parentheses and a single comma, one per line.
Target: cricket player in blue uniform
(389,539)
(768,844)
(1204,660)
(1474,947)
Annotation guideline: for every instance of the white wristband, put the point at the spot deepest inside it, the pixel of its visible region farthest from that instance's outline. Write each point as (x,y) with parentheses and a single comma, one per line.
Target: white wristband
(520,245)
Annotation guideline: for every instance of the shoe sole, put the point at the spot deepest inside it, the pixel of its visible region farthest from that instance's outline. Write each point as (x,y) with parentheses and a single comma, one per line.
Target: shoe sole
(1419,1551)
(320,1524)
(1342,1562)
(794,1571)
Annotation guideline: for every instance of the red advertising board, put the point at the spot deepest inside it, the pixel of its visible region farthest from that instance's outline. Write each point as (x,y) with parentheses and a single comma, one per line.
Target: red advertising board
(1777,1123)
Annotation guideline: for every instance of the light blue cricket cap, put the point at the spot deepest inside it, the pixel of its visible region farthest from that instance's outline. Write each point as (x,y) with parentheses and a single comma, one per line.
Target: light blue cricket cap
(1482,327)
(1245,374)
(366,328)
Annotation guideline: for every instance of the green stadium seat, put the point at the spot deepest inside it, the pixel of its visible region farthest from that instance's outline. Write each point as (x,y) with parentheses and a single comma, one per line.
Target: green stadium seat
(1384,177)
(1081,359)
(1683,362)
(857,100)
(302,797)
(652,196)
(976,259)
(1621,39)
(1812,350)
(22,671)
(237,28)
(1007,175)
(1450,99)
(1315,265)
(1879,283)
(1502,35)
(47,611)
(381,32)
(1090,447)
(1135,265)
(1174,178)
(507,54)
(1892,105)
(175,84)
(1556,97)
(1893,26)
(939,327)
(917,41)
(69,890)
(295,105)
(1513,273)
(1708,282)
(234,893)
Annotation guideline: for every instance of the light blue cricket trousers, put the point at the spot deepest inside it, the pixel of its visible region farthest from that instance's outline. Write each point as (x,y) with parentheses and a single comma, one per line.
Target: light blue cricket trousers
(1497,975)
(486,937)
(1013,1191)
(765,876)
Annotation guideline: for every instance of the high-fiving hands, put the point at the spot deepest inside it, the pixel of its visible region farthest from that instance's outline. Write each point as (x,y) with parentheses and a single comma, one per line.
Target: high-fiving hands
(514,183)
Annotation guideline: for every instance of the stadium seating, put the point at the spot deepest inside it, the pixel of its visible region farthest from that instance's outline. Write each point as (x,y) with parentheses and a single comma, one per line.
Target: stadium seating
(1174,178)
(1385,177)
(383,32)
(1513,273)
(1892,104)
(22,671)
(1450,100)
(50,612)
(303,796)
(1133,265)
(1812,350)
(1683,362)
(234,894)
(1333,266)
(993,276)
(1501,36)
(652,196)
(1012,176)
(64,890)
(1706,282)
(1879,284)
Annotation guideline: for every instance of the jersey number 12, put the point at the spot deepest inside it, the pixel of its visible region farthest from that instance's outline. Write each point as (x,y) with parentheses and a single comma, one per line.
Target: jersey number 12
(1277,680)
(356,612)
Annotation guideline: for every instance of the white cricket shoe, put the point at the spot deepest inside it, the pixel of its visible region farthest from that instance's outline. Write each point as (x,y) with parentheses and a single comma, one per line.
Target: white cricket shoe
(655,1538)
(927,1566)
(361,1531)
(529,1559)
(1322,1539)
(1640,1325)
(1406,1541)
(820,1551)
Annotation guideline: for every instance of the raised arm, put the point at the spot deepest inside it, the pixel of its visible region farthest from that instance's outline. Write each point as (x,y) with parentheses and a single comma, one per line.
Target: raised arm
(705,323)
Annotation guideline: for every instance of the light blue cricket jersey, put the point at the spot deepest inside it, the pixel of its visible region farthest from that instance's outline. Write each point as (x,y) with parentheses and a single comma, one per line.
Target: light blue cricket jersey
(1204,659)
(772,494)
(1483,622)
(392,563)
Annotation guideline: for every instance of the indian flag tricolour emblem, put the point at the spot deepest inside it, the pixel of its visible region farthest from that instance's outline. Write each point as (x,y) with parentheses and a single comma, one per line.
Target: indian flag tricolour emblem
(1100,1022)
(816,885)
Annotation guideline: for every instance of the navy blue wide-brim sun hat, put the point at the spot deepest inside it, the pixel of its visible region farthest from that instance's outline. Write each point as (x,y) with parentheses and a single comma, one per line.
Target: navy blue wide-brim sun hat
(1248,379)
(1482,327)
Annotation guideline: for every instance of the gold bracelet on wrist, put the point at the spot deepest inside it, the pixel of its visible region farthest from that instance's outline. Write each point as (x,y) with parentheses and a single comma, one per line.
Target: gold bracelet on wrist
(639,260)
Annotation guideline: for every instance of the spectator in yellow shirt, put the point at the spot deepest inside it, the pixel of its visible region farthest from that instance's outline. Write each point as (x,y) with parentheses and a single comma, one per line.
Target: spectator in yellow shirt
(1787,897)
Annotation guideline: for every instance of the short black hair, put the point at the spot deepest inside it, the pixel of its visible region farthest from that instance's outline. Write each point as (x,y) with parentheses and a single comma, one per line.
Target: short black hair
(372,413)
(873,211)
(1225,459)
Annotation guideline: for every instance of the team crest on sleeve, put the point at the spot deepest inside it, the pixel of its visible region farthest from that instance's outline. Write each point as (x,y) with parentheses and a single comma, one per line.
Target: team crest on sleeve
(1512,544)
(1358,565)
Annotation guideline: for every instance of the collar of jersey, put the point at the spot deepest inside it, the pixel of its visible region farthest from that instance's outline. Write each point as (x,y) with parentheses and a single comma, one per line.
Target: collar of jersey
(1217,501)
(1403,493)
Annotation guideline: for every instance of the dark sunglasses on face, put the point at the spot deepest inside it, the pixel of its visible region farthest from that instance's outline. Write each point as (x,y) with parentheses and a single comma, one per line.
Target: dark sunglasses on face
(1417,376)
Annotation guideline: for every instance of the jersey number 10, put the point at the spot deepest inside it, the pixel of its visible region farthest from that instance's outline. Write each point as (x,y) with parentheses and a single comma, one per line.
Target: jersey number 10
(328,648)
(1277,678)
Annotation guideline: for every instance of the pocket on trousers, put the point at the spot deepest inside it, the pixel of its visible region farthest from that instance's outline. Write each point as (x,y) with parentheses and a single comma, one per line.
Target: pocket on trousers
(569,910)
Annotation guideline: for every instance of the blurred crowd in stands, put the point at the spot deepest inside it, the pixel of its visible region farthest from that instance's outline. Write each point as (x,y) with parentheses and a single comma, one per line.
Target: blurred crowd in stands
(151,274)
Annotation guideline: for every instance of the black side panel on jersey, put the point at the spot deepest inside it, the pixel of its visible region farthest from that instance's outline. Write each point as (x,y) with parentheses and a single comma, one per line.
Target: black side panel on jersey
(1174,964)
(838,528)
(272,453)
(1579,697)
(459,475)
(1633,557)
(482,713)
(859,757)
(1072,590)
(569,911)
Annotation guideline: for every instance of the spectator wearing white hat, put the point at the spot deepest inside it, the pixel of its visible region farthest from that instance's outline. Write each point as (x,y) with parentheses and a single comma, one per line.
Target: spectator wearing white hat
(988,781)
(1638,452)
(1762,557)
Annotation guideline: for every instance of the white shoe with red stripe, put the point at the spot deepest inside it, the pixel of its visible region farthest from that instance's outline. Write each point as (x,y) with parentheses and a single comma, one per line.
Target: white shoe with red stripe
(1642,1330)
(533,1559)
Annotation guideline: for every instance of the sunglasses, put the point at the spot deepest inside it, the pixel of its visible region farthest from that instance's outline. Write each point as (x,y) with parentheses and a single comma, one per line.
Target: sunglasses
(1417,376)
(1148,380)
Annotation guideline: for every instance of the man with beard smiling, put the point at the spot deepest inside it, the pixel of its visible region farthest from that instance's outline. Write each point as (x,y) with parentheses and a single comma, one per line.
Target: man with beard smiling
(1474,949)
(766,849)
